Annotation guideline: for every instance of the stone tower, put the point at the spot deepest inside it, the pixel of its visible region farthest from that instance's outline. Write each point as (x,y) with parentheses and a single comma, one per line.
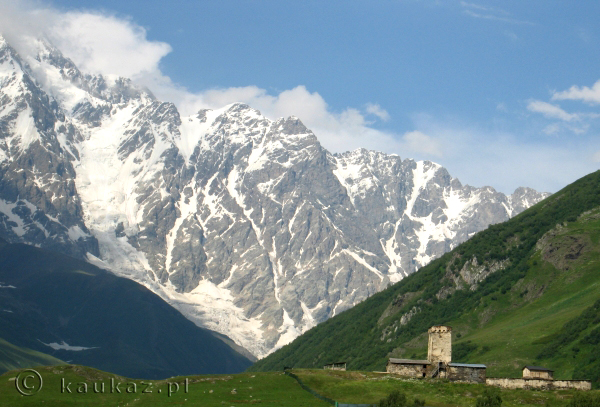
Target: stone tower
(440,344)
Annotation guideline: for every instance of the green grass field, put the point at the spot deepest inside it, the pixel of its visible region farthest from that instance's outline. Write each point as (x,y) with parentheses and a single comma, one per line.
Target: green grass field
(261,388)
(369,387)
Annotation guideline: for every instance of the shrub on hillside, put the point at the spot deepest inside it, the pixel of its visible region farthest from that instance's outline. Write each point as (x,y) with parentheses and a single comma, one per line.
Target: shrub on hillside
(585,400)
(398,399)
(489,398)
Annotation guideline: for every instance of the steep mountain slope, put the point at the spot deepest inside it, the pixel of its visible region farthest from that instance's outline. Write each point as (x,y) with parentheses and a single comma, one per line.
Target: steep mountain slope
(78,313)
(16,357)
(246,225)
(526,291)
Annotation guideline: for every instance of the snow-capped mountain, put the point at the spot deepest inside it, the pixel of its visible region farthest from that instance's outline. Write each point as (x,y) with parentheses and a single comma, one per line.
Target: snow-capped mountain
(247,225)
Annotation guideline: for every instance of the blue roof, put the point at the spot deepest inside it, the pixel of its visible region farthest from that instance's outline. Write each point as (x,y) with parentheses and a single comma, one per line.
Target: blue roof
(408,361)
(478,366)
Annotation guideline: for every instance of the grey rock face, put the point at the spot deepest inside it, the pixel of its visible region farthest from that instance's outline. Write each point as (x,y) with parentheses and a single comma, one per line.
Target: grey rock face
(246,225)
(38,197)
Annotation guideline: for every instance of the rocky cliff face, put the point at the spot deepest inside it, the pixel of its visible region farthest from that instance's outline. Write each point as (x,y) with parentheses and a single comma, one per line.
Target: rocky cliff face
(246,225)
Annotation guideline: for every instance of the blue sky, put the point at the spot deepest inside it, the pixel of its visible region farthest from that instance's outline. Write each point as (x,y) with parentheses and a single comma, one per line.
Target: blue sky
(499,92)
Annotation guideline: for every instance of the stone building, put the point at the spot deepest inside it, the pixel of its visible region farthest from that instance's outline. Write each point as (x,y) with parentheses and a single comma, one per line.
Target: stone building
(439,348)
(407,367)
(537,372)
(335,366)
(439,365)
(439,361)
(467,372)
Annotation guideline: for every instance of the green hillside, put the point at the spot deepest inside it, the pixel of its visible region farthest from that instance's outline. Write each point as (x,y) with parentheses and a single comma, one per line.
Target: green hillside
(15,357)
(522,292)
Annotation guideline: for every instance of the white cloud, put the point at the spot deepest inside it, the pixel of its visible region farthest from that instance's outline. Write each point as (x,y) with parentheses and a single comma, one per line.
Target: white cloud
(490,13)
(483,8)
(551,111)
(553,128)
(96,42)
(596,156)
(100,43)
(506,160)
(378,111)
(422,143)
(584,93)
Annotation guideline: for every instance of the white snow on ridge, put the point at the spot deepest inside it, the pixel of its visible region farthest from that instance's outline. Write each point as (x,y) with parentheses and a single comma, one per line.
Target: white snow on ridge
(355,177)
(421,177)
(289,331)
(7,209)
(187,207)
(211,306)
(193,131)
(25,129)
(63,91)
(65,346)
(101,182)
(75,233)
(363,263)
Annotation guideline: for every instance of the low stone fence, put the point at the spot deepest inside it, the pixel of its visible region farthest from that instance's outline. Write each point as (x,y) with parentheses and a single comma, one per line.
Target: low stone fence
(521,383)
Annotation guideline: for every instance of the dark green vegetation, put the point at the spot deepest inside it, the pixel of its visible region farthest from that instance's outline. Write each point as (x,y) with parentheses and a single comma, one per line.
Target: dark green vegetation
(521,292)
(261,389)
(49,298)
(398,399)
(15,357)
(489,398)
(585,400)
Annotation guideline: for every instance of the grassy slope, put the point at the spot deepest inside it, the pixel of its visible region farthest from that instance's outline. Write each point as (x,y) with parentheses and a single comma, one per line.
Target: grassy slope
(512,316)
(15,357)
(264,389)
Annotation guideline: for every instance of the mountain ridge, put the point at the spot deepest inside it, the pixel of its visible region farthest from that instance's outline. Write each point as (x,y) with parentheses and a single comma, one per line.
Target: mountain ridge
(246,225)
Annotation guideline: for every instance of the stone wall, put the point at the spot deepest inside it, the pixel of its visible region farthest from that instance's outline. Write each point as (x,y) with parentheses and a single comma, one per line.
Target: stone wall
(507,383)
(572,384)
(467,374)
(406,370)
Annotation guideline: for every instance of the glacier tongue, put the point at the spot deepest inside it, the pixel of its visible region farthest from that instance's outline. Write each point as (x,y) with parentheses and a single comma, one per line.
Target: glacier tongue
(247,225)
